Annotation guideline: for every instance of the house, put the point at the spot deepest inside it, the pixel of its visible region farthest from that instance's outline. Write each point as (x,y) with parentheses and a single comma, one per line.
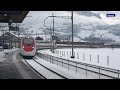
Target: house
(9,37)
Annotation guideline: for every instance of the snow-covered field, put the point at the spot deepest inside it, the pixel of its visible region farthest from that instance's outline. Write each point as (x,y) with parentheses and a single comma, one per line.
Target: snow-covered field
(105,57)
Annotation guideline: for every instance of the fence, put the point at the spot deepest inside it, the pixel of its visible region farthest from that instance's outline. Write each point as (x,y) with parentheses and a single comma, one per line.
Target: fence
(101,72)
(77,56)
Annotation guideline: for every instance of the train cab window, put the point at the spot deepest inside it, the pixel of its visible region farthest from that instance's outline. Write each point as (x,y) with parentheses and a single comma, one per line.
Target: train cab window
(28,41)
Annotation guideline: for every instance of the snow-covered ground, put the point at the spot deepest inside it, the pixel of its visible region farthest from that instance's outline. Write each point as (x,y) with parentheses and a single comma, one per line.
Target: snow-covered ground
(1,56)
(45,72)
(64,71)
(2,53)
(8,51)
(105,57)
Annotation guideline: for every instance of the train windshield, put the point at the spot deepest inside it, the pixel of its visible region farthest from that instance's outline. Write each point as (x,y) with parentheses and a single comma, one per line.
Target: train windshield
(28,41)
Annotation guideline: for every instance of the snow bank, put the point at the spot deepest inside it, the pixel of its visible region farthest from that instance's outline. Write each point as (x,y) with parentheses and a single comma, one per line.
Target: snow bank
(11,50)
(1,57)
(2,53)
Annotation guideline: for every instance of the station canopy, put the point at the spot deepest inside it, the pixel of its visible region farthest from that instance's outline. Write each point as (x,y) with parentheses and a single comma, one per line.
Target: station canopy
(12,16)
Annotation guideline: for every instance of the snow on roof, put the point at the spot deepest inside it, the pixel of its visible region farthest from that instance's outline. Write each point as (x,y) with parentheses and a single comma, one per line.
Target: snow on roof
(13,34)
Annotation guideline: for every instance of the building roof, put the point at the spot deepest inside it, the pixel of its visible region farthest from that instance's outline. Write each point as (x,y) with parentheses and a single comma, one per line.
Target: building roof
(15,16)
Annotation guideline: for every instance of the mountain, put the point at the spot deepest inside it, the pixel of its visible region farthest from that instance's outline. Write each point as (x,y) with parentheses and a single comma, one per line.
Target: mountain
(88,26)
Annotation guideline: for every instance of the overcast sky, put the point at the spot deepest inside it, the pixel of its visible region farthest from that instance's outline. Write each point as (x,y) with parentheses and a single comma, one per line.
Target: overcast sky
(39,15)
(109,20)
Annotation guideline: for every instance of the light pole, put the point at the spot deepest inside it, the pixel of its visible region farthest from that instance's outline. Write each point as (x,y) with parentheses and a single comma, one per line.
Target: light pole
(18,36)
(3,39)
(15,38)
(9,24)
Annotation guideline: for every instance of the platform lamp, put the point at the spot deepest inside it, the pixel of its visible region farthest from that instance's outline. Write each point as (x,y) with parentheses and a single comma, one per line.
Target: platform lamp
(9,24)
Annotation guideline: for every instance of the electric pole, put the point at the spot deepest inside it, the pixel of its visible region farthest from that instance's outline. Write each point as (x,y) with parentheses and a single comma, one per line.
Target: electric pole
(53,34)
(72,34)
(53,37)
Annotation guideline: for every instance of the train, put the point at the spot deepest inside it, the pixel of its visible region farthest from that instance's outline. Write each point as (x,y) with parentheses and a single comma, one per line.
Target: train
(28,46)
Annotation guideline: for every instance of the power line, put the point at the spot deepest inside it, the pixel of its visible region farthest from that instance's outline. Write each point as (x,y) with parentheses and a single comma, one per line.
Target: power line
(64,17)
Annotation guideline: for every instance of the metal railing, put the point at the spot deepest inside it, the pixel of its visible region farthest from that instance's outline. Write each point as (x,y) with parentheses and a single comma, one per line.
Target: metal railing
(101,72)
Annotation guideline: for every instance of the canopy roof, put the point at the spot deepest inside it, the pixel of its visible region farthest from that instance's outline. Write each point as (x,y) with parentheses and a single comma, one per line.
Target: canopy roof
(13,16)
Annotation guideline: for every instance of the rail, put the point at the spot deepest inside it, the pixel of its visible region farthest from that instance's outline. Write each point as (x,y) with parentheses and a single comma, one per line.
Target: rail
(52,71)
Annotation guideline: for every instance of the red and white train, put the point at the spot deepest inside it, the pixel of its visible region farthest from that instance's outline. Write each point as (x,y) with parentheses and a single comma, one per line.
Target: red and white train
(28,46)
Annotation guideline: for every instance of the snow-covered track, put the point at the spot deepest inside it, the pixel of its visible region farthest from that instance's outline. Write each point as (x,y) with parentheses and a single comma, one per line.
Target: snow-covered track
(35,70)
(43,71)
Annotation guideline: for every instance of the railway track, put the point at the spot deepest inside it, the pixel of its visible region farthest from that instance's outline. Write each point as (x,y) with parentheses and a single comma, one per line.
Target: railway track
(47,73)
(43,71)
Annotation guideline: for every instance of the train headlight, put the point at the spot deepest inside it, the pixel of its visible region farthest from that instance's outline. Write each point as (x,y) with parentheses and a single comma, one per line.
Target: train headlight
(23,46)
(33,47)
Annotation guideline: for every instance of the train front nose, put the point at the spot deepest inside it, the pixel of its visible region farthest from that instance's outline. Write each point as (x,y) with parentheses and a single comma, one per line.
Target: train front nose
(28,48)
